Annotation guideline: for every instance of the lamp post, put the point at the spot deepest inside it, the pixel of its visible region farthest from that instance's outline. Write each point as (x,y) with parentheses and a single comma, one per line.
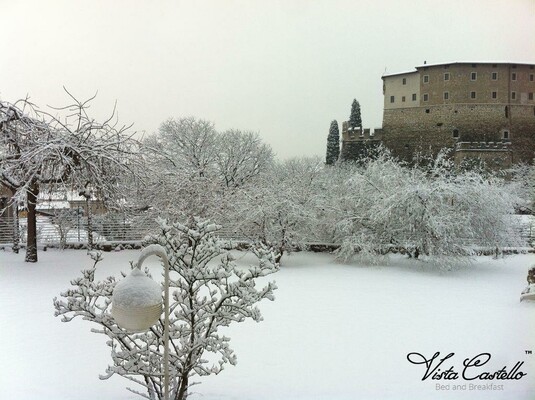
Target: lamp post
(137,303)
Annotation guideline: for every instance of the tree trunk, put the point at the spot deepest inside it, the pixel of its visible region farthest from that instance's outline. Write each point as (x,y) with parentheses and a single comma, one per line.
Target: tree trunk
(182,393)
(279,254)
(31,241)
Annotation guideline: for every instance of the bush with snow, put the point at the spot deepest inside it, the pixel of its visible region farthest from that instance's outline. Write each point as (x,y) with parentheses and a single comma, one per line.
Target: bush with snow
(434,211)
(208,292)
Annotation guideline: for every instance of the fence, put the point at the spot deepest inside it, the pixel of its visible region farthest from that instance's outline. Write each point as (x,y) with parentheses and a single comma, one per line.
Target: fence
(72,229)
(128,228)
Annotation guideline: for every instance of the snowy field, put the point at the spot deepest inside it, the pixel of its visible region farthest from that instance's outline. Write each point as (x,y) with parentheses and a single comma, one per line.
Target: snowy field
(335,331)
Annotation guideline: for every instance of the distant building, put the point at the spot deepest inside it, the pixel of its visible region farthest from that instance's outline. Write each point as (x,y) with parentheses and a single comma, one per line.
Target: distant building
(48,203)
(478,109)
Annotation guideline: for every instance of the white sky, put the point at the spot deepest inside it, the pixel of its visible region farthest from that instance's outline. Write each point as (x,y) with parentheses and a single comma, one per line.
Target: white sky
(285,69)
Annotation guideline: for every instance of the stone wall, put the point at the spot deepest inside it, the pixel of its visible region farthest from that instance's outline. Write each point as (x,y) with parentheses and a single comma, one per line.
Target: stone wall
(468,102)
(496,156)
(428,129)
(359,143)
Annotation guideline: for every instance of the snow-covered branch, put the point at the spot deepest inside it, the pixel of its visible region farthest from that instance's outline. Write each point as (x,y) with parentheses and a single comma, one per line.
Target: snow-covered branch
(209,291)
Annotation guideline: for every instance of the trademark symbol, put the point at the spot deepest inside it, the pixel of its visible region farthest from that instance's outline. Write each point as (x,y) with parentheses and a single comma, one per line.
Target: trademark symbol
(528,352)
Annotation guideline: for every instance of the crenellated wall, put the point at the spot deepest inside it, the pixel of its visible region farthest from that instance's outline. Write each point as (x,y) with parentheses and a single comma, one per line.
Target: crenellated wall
(496,156)
(358,143)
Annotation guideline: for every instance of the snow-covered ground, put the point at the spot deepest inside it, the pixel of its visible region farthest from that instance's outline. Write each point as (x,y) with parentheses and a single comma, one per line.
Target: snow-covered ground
(335,331)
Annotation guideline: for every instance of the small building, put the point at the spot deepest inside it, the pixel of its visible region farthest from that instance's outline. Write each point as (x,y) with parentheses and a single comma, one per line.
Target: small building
(49,202)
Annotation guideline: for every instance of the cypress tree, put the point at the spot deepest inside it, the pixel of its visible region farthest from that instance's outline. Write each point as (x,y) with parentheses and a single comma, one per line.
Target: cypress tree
(355,119)
(333,144)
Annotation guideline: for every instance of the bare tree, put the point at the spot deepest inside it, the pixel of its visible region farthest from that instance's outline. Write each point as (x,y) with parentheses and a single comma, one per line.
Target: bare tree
(41,152)
(192,169)
(65,220)
(186,143)
(241,156)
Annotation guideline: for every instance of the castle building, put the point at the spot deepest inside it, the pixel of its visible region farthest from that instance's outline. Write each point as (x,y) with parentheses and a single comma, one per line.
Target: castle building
(479,109)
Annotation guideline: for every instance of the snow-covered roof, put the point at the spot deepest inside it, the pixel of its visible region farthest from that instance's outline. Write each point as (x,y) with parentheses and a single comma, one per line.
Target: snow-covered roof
(475,62)
(400,73)
(69,195)
(52,204)
(456,62)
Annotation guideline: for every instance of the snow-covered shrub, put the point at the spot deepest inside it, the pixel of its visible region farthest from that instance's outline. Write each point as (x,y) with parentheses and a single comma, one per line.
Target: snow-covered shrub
(434,211)
(280,210)
(208,291)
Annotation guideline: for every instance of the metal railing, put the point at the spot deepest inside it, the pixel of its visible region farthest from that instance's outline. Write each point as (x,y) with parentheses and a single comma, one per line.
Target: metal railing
(123,228)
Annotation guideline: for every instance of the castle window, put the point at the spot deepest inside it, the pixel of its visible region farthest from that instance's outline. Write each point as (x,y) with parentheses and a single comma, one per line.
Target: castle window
(446,95)
(426,97)
(473,76)
(404,81)
(447,76)
(494,76)
(506,112)
(494,65)
(513,76)
(506,134)
(403,99)
(446,66)
(456,133)
(474,65)
(494,95)
(514,65)
(414,97)
(531,77)
(427,110)
(426,78)
(530,96)
(513,95)
(472,95)
(392,99)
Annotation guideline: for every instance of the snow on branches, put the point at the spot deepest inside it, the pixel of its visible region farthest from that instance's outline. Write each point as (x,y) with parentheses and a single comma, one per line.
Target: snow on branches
(43,152)
(208,291)
(193,169)
(434,210)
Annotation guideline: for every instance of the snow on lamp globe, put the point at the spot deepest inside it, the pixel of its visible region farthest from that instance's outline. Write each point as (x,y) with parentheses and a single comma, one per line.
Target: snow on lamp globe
(136,302)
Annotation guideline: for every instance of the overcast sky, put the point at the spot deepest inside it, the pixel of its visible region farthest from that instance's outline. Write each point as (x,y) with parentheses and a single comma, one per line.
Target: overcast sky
(284,69)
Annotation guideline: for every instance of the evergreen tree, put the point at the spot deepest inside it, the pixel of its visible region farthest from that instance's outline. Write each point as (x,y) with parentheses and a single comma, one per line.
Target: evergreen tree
(355,119)
(333,144)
